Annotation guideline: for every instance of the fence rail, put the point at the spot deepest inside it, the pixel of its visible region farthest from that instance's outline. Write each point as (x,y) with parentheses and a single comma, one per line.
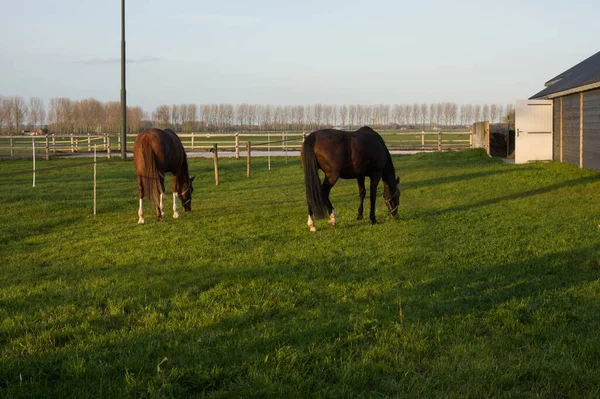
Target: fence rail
(64,145)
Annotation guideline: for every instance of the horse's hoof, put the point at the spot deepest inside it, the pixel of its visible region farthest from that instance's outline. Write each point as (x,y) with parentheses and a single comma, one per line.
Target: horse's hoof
(141,221)
(359,217)
(373,222)
(313,229)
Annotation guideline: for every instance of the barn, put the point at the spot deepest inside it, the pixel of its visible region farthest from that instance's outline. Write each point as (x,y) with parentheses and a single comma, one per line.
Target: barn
(573,100)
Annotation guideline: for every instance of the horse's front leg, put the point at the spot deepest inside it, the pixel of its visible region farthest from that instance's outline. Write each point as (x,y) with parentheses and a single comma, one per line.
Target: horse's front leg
(361,196)
(141,200)
(373,194)
(175,195)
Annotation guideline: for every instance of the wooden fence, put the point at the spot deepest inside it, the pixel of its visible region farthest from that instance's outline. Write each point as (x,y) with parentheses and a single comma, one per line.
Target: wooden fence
(65,145)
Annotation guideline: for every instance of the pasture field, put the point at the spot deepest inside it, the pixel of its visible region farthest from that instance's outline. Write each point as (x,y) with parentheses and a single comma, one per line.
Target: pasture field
(488,284)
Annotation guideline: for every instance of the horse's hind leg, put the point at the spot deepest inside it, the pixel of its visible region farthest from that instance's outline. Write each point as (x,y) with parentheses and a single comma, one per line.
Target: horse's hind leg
(160,207)
(141,200)
(311,222)
(362,192)
(174,185)
(326,189)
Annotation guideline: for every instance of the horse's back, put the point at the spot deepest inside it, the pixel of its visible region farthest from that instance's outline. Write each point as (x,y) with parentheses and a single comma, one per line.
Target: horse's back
(165,145)
(350,154)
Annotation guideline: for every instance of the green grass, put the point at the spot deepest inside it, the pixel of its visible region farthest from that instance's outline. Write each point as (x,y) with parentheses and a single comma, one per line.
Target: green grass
(488,285)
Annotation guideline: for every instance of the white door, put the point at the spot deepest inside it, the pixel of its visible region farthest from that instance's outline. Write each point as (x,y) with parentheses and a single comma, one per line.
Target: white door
(533,136)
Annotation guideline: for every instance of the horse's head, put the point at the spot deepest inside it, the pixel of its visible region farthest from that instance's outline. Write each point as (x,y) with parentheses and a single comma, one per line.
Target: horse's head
(186,193)
(391,196)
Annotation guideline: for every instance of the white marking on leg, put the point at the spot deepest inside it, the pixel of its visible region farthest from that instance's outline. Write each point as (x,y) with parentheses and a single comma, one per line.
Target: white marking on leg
(332,218)
(311,224)
(161,205)
(175,213)
(141,212)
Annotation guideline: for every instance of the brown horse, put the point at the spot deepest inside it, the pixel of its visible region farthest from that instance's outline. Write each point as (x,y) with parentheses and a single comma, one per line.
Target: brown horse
(347,155)
(156,152)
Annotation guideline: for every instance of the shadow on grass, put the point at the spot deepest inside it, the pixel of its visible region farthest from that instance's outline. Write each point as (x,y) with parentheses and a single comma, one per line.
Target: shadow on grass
(510,197)
(293,327)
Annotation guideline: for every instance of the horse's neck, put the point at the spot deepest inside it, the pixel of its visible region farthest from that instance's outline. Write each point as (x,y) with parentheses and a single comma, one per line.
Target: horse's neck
(389,173)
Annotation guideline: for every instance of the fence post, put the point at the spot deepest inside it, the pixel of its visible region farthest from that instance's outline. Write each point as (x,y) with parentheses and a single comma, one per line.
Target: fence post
(95,145)
(471,138)
(422,140)
(108,154)
(215,152)
(47,149)
(72,143)
(237,145)
(285,149)
(89,141)
(12,150)
(192,141)
(440,141)
(269,149)
(33,148)
(248,149)
(53,143)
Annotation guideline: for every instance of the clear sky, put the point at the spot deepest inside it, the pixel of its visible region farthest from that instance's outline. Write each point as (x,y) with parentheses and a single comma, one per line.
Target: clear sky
(293,52)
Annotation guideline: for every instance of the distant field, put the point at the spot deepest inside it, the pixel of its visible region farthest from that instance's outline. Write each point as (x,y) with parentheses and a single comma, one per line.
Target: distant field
(488,285)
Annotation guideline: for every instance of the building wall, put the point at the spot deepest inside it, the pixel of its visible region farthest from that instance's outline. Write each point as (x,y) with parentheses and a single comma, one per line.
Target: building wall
(570,129)
(591,129)
(573,148)
(556,130)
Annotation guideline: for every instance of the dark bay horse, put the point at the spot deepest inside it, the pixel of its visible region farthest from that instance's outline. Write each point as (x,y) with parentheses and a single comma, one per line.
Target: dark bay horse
(156,152)
(347,155)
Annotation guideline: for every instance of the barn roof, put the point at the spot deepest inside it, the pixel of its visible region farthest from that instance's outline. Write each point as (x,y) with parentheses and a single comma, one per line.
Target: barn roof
(583,76)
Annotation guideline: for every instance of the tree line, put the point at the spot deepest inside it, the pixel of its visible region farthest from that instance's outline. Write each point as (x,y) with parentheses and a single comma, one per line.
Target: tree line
(65,116)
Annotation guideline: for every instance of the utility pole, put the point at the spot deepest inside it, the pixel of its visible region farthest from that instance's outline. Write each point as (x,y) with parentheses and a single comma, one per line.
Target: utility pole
(123,91)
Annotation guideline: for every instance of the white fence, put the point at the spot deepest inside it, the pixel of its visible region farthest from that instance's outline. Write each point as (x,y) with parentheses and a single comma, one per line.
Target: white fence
(64,145)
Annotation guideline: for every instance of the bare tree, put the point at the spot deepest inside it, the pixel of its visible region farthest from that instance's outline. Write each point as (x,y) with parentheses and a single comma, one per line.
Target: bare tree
(318,115)
(192,117)
(112,116)
(343,111)
(416,114)
(408,114)
(175,117)
(423,115)
(134,119)
(486,112)
(61,114)
(477,113)
(3,114)
(37,113)
(493,113)
(327,115)
(241,113)
(18,112)
(352,115)
(161,116)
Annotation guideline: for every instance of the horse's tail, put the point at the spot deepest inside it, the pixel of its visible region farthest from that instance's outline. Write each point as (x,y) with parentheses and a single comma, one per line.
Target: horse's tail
(314,195)
(150,174)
